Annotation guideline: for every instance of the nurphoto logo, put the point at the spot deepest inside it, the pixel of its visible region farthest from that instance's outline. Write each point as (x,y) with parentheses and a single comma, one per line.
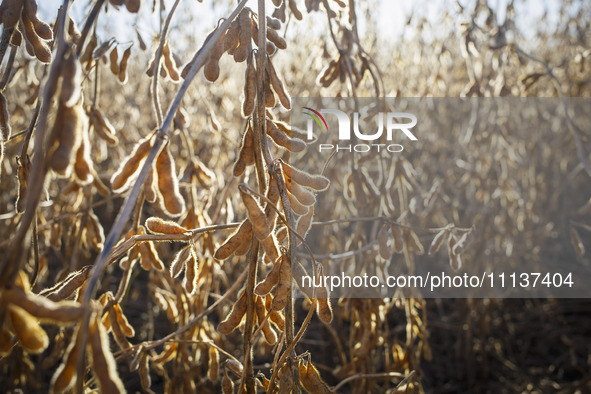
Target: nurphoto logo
(393,126)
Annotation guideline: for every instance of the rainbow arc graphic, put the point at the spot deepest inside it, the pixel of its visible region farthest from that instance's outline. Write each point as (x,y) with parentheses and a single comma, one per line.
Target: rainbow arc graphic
(317,117)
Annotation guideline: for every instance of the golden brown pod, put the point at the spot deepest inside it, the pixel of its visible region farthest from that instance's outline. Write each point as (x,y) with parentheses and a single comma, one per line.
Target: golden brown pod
(40,47)
(241,235)
(316,182)
(170,64)
(256,214)
(123,65)
(291,144)
(114,61)
(26,327)
(42,29)
(277,85)
(66,132)
(283,286)
(130,166)
(214,364)
(159,226)
(234,318)
(268,332)
(272,278)
(244,37)
(103,363)
(172,202)
(133,6)
(249,87)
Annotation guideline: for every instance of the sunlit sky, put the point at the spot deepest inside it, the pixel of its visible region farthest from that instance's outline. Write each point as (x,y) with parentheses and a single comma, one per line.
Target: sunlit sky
(390,15)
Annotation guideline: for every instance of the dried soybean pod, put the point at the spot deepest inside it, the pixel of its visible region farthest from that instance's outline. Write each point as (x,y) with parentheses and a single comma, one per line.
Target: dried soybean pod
(294,10)
(245,154)
(192,266)
(126,328)
(227,384)
(103,363)
(242,234)
(249,87)
(234,366)
(144,371)
(150,193)
(244,36)
(316,182)
(269,95)
(397,238)
(233,319)
(270,248)
(291,144)
(159,226)
(113,59)
(123,65)
(312,382)
(179,260)
(170,64)
(231,37)
(460,245)
(149,256)
(268,332)
(65,376)
(244,247)
(213,367)
(211,70)
(40,47)
(283,286)
(412,240)
(102,126)
(272,278)
(42,29)
(278,85)
(275,317)
(273,195)
(133,6)
(273,23)
(383,238)
(305,223)
(26,327)
(324,308)
(256,214)
(167,355)
(83,162)
(296,206)
(67,129)
(168,185)
(131,165)
(5,127)
(437,241)
(276,39)
(302,194)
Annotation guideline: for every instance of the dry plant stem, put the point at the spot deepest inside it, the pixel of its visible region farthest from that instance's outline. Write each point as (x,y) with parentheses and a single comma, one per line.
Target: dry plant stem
(289,312)
(128,205)
(384,375)
(5,41)
(292,345)
(8,69)
(88,25)
(157,60)
(248,373)
(12,259)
